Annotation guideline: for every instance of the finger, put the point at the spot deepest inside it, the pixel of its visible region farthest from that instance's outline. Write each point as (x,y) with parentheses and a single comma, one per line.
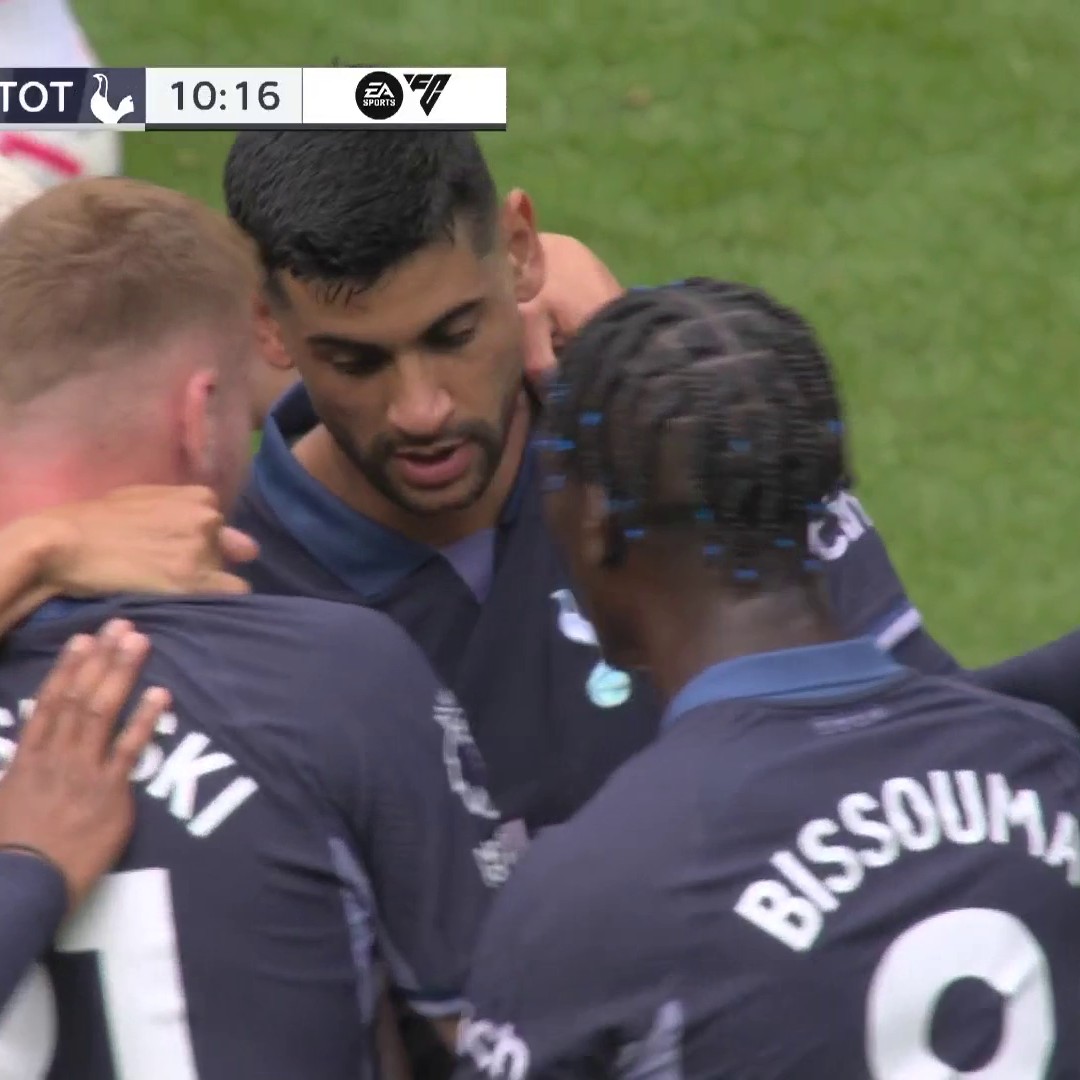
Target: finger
(100,711)
(237,547)
(71,718)
(219,581)
(197,493)
(138,731)
(53,693)
(161,494)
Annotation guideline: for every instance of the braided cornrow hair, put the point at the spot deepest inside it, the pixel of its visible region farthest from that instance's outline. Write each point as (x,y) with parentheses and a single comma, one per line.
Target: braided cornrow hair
(704,404)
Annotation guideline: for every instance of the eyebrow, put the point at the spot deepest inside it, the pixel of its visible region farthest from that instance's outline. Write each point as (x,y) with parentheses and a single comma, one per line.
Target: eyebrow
(343,341)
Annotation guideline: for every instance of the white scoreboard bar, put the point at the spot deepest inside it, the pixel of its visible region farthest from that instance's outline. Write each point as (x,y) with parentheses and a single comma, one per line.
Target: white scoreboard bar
(196,99)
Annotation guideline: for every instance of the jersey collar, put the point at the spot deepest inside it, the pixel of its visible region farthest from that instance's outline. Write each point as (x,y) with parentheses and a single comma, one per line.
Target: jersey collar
(814,671)
(367,556)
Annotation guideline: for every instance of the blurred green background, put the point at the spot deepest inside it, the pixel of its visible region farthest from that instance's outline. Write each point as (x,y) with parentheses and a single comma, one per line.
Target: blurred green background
(905,173)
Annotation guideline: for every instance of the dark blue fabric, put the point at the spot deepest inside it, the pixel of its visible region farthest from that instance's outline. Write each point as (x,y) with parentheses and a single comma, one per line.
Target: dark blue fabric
(33,900)
(295,812)
(878,883)
(1049,675)
(842,667)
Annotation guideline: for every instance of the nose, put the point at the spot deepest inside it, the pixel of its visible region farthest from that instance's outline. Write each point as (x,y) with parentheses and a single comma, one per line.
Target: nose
(421,406)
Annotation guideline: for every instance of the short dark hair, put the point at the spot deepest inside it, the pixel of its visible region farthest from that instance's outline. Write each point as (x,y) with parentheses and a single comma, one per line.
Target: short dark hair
(704,405)
(349,205)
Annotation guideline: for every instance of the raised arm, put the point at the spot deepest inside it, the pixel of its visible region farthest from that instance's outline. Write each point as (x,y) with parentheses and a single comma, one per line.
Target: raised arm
(144,539)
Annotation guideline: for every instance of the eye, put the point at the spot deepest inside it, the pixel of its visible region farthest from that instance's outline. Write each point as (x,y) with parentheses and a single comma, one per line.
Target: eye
(353,364)
(453,339)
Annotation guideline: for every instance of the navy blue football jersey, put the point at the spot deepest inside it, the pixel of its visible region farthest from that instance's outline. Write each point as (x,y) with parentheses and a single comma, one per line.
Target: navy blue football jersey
(551,719)
(299,817)
(33,900)
(826,866)
(1049,675)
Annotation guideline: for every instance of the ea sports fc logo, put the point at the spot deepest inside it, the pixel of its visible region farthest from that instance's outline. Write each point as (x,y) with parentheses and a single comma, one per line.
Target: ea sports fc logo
(379,95)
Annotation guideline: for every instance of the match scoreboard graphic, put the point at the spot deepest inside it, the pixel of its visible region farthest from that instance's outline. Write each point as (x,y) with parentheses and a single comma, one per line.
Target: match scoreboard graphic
(231,99)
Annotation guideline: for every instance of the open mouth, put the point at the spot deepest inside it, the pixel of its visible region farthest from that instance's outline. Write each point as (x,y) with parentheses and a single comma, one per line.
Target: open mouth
(428,457)
(434,467)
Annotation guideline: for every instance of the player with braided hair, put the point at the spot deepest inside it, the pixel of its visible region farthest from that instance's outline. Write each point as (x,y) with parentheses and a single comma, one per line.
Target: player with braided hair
(828,864)
(758,483)
(754,444)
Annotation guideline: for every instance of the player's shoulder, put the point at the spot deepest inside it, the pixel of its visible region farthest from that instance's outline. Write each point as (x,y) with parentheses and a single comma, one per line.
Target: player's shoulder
(326,626)
(340,653)
(989,707)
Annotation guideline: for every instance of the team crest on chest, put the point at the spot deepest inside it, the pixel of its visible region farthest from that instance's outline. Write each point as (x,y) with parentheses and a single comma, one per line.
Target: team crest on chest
(606,687)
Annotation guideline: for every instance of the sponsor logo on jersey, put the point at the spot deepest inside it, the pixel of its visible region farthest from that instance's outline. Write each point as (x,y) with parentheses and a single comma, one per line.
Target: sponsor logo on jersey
(497,857)
(844,524)
(495,1049)
(467,777)
(465,769)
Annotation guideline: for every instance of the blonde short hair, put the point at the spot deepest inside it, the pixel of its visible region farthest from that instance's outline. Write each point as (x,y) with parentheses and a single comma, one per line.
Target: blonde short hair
(102,272)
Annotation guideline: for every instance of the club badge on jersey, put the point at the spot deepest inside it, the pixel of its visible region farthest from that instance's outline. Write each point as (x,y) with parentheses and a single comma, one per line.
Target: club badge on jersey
(606,687)
(466,774)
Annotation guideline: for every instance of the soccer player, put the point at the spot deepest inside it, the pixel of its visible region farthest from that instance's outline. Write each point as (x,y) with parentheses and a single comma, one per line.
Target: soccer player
(828,865)
(148,539)
(65,797)
(297,808)
(400,475)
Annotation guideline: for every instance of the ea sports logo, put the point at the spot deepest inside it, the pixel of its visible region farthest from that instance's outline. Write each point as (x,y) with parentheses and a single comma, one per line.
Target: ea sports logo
(378,95)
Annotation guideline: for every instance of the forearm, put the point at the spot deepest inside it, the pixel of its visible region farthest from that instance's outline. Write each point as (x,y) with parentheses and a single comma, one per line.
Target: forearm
(33,899)
(26,549)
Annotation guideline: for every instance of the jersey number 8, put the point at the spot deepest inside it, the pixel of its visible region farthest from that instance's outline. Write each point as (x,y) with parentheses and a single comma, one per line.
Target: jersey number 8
(969,943)
(128,922)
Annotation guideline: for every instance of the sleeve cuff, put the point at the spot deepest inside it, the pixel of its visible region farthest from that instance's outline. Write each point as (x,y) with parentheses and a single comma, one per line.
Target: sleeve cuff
(36,874)
(31,882)
(33,902)
(896,627)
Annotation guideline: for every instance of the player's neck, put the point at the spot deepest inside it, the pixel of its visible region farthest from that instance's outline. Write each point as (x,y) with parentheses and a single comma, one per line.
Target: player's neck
(322,458)
(684,636)
(35,483)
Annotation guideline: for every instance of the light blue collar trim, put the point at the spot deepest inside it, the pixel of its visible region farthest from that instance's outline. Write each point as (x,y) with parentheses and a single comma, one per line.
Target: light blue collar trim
(814,671)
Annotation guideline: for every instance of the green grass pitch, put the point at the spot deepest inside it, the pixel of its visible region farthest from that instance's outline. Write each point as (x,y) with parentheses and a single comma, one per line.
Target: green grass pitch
(906,173)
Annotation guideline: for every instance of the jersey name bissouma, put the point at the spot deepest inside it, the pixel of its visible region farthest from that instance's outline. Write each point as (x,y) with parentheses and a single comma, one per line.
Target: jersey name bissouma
(826,866)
